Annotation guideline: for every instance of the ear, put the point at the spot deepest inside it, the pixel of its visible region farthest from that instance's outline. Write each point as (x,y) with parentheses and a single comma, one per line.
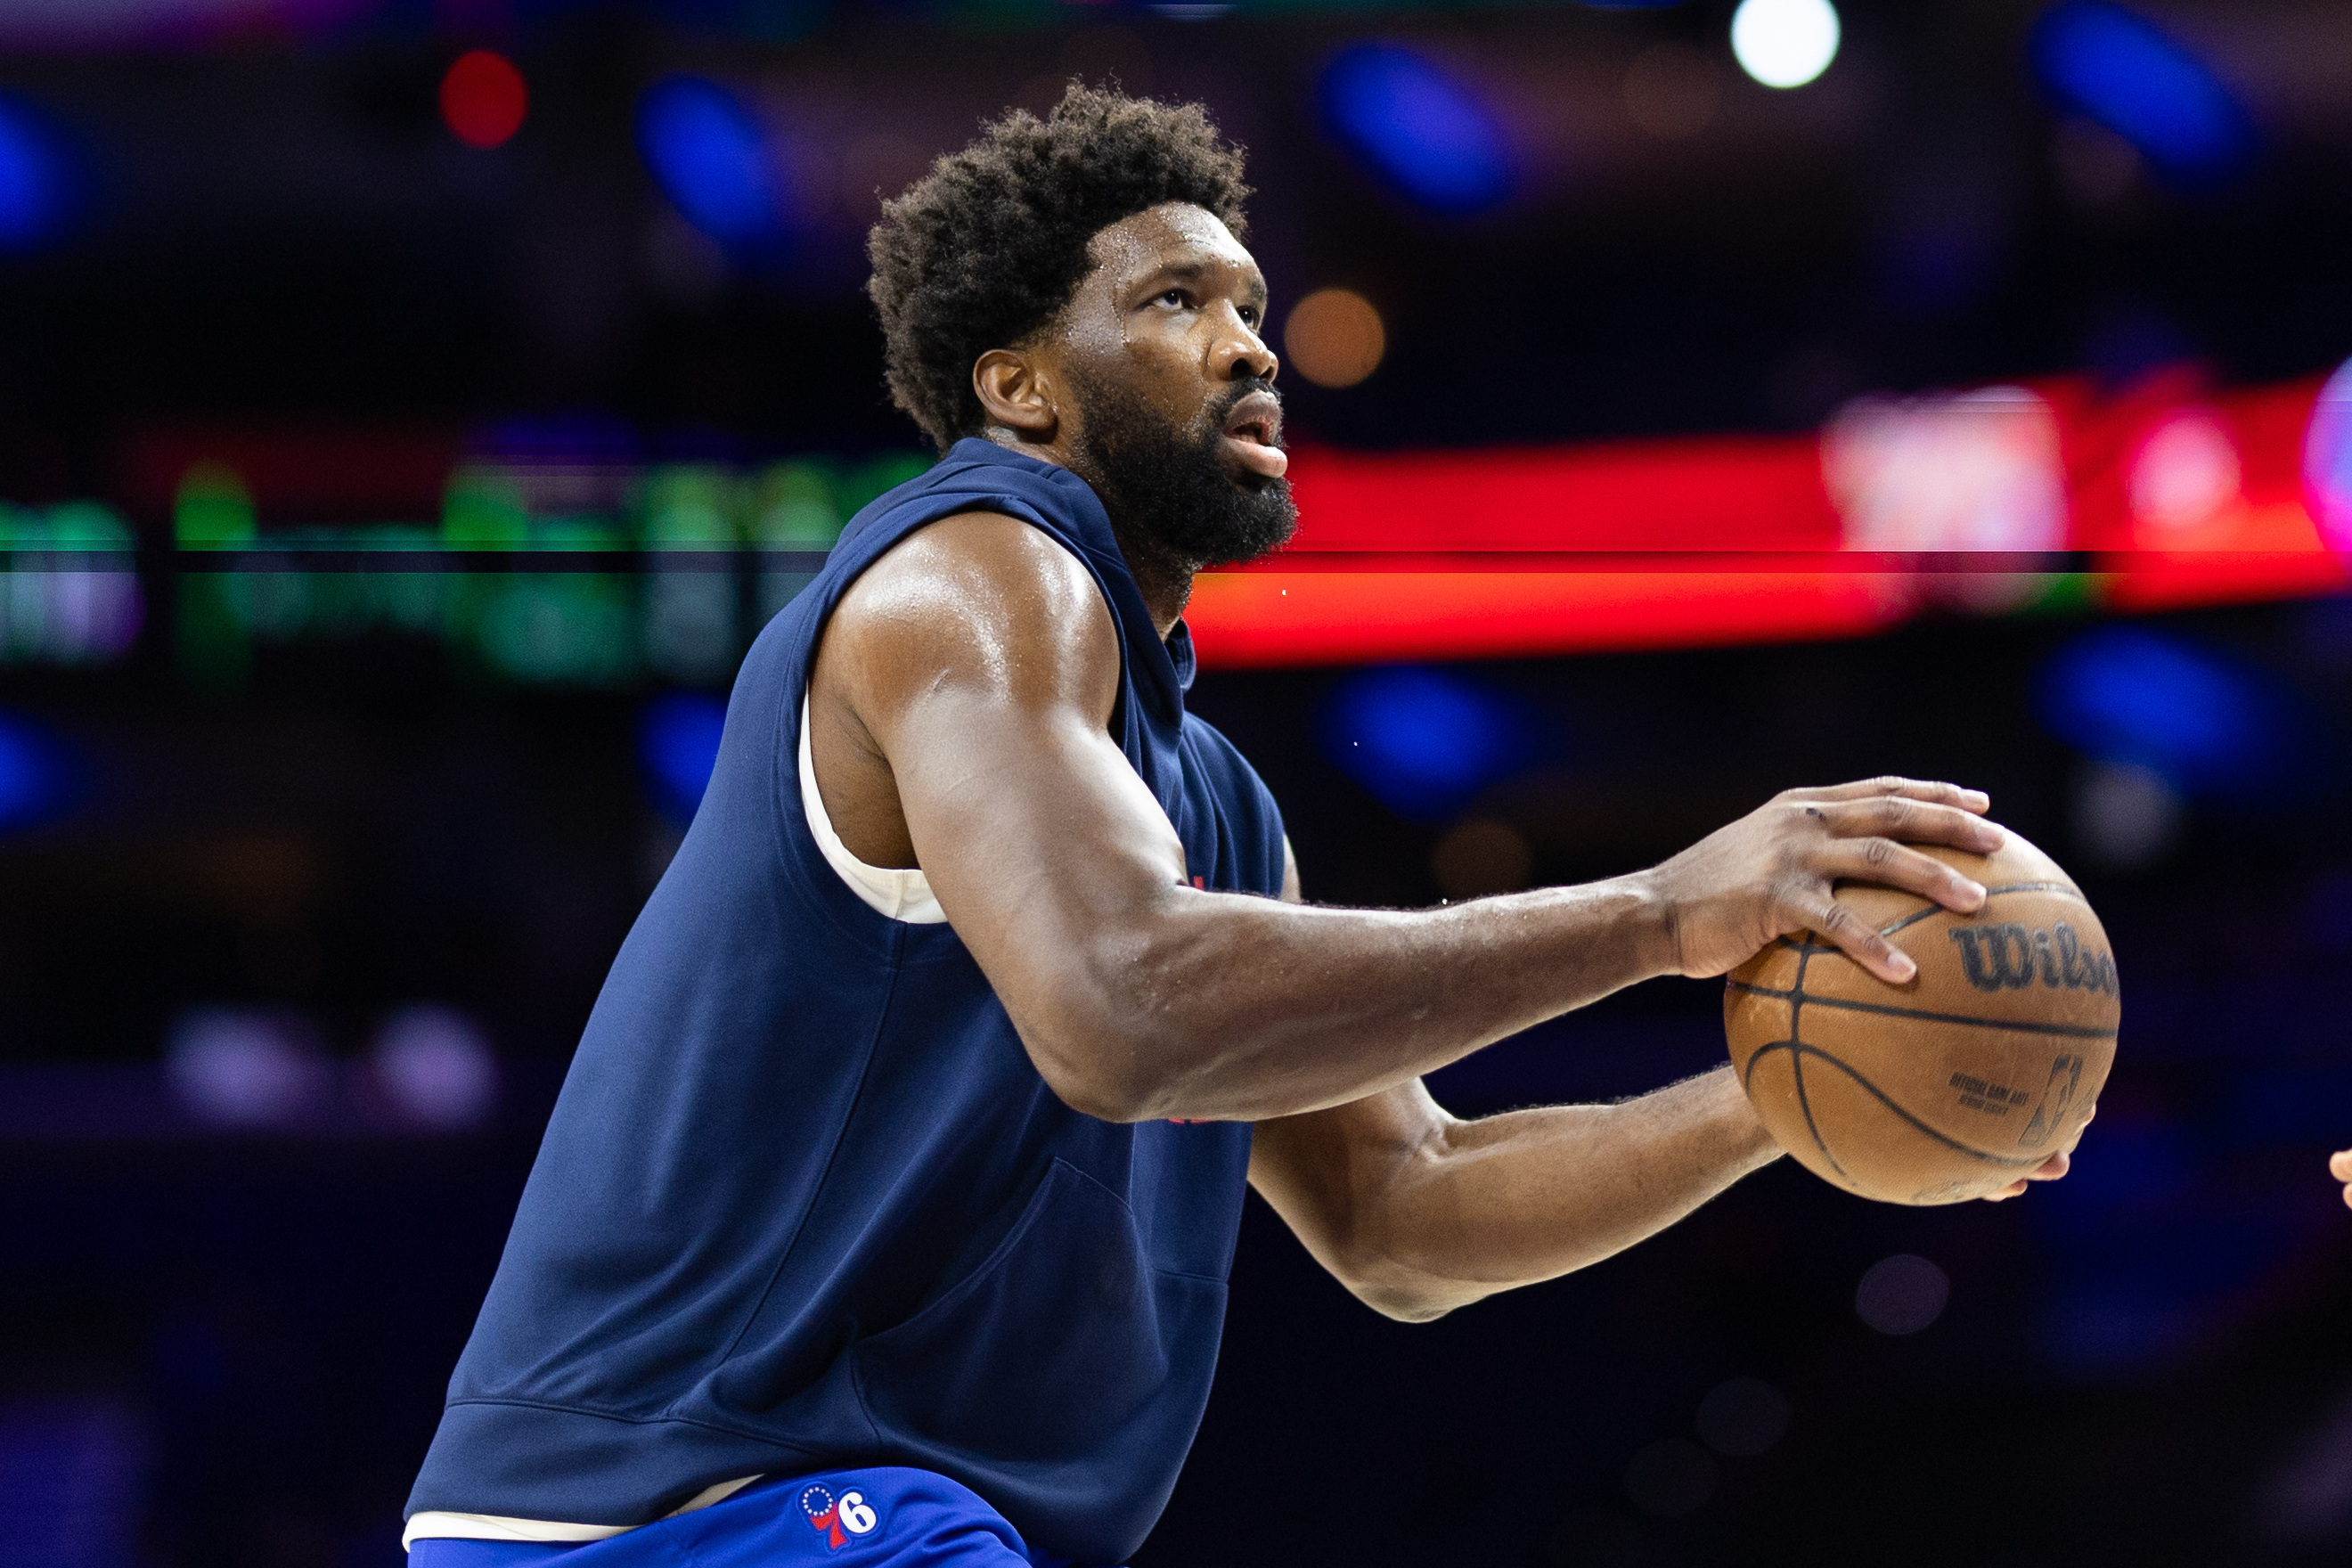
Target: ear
(1015,393)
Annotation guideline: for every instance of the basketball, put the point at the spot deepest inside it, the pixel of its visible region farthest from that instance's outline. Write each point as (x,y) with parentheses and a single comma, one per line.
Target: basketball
(1961,1081)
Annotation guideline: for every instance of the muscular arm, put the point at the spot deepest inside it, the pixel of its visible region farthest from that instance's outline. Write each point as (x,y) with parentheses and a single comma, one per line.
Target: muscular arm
(964,689)
(1419,1213)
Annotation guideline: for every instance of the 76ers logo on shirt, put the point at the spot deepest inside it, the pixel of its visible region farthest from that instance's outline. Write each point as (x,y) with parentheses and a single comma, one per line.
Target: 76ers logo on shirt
(850,1513)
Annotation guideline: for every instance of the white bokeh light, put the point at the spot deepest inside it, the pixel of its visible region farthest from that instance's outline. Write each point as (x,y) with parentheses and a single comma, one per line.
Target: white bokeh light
(1785,43)
(2187,474)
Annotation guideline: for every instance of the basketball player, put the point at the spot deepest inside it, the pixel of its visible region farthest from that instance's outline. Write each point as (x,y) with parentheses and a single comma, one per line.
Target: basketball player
(886,1213)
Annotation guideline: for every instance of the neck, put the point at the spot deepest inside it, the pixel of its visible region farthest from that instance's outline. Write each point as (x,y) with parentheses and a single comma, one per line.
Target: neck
(1164,578)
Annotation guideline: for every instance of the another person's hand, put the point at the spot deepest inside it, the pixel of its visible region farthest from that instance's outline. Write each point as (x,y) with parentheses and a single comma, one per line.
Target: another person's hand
(1770,873)
(2340,1167)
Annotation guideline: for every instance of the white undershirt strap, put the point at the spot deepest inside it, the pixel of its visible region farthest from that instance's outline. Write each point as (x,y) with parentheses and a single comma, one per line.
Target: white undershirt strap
(438,1526)
(902,895)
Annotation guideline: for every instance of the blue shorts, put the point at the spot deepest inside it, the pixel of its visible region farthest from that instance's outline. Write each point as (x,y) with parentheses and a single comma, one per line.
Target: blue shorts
(882,1518)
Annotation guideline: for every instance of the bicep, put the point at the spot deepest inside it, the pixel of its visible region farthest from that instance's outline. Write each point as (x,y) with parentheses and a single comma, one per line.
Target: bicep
(983,662)
(1321,1170)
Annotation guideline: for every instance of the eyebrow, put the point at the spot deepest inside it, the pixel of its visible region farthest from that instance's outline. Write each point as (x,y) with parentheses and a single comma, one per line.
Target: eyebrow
(1187,271)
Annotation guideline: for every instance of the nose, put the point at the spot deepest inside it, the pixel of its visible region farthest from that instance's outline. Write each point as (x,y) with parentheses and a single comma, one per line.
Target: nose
(1240,353)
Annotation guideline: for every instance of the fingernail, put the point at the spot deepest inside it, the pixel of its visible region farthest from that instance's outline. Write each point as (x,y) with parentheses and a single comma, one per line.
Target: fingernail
(1973,892)
(1902,965)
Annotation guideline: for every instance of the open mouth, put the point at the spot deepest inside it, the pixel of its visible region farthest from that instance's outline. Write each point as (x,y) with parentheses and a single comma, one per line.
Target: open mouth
(1253,434)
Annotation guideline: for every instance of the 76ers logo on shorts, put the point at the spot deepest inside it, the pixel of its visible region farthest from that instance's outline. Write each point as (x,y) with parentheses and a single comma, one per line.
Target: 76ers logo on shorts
(849,1513)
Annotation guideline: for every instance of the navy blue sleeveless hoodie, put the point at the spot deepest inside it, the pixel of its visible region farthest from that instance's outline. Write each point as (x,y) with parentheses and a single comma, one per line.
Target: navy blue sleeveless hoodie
(804,1201)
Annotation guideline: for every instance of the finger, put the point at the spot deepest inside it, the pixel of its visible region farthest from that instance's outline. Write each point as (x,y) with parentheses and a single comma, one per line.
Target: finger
(2014,1189)
(1940,794)
(2052,1168)
(1846,930)
(2340,1165)
(1885,861)
(1909,821)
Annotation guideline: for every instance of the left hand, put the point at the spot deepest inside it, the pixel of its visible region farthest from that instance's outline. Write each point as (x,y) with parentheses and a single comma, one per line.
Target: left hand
(2058,1164)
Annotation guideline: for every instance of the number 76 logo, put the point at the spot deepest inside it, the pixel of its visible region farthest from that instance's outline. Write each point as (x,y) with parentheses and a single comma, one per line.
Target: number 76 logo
(850,1513)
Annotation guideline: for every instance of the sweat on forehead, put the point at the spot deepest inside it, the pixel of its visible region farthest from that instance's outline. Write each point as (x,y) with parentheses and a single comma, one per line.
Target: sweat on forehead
(1177,239)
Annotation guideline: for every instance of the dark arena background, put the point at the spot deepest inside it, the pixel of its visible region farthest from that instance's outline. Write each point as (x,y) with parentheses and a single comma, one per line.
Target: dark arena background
(409,409)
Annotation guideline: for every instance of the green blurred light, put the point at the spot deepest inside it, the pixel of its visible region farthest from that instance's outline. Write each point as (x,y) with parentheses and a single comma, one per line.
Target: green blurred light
(214,510)
(577,533)
(559,628)
(690,506)
(70,590)
(794,507)
(82,526)
(2067,593)
(871,478)
(483,509)
(681,621)
(215,650)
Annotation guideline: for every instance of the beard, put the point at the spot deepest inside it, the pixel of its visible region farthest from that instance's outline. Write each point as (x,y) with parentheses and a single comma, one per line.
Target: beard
(1166,487)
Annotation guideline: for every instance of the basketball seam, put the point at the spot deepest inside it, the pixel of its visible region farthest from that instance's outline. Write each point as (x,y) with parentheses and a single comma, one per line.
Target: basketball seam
(1797,1062)
(1795,944)
(2065,1031)
(1797,996)
(1915,916)
(1797,1050)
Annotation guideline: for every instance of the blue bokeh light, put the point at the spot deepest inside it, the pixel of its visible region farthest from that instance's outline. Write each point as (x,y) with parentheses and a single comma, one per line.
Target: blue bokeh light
(2328,460)
(2110,65)
(33,179)
(1416,128)
(1423,741)
(678,745)
(2140,1271)
(708,154)
(2125,694)
(39,775)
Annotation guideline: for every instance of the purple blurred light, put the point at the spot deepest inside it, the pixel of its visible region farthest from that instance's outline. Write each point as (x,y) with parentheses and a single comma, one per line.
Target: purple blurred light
(2328,460)
(1902,1294)
(436,1065)
(242,1068)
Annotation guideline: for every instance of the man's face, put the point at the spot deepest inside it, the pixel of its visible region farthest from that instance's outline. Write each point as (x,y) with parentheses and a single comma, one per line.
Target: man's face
(1178,423)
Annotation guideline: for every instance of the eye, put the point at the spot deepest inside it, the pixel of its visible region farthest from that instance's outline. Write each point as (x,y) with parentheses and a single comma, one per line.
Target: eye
(1174,297)
(1249,316)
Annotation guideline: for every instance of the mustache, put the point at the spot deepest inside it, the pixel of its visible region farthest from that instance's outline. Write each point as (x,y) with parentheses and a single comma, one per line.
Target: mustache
(1222,407)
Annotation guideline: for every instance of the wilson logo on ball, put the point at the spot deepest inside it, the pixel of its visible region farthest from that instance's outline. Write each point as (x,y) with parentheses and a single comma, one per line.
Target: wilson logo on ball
(2012,956)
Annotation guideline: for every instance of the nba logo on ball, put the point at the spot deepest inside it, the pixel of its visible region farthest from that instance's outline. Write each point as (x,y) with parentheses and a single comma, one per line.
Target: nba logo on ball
(838,1519)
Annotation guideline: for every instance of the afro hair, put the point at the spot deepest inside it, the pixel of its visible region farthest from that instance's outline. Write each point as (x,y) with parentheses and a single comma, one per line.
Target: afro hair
(985,249)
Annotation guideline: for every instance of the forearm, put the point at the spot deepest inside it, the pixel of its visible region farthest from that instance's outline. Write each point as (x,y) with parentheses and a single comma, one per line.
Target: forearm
(967,681)
(1472,1207)
(1241,1009)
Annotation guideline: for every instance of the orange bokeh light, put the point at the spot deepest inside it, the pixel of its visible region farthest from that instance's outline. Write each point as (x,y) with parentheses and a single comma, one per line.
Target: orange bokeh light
(1334,337)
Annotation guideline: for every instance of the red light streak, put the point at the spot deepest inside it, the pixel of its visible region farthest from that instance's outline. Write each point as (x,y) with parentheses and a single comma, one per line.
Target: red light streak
(1713,540)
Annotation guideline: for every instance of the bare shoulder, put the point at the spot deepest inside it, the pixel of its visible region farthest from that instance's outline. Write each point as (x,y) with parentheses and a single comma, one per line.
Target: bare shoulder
(977,599)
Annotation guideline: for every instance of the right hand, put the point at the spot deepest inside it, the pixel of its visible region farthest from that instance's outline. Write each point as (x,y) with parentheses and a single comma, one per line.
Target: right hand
(1770,873)
(2340,1165)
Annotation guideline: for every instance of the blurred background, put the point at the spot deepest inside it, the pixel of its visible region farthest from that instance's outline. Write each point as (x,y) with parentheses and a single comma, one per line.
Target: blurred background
(409,409)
